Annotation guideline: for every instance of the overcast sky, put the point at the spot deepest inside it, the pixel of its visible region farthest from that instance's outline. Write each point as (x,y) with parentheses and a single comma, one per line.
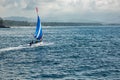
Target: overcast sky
(64,10)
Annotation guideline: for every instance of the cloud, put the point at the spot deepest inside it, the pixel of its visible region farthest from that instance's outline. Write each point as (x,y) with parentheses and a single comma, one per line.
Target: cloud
(65,5)
(12,4)
(63,10)
(109,5)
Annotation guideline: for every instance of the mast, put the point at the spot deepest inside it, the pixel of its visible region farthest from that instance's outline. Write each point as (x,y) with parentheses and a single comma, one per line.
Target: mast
(38,32)
(37,11)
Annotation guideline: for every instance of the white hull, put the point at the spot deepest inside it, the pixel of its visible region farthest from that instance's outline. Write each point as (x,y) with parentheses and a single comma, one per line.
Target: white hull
(36,44)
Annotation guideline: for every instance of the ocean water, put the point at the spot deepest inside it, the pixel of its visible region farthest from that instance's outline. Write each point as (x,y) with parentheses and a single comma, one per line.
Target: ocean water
(67,53)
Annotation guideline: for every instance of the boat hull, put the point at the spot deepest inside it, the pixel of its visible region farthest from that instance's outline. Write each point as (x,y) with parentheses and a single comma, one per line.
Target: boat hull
(36,44)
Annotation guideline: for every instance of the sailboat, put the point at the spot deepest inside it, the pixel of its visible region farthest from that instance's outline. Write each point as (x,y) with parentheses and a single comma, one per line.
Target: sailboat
(38,32)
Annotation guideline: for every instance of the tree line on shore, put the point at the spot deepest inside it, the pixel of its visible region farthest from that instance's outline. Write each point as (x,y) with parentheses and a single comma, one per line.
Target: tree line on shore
(4,23)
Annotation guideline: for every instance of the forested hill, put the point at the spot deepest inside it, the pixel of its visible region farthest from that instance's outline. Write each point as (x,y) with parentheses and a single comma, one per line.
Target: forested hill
(2,23)
(25,23)
(18,23)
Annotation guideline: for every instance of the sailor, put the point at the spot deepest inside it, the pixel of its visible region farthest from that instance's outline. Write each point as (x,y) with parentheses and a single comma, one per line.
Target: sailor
(31,43)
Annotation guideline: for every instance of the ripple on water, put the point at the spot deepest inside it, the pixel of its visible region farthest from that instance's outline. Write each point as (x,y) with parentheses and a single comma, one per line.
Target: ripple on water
(78,53)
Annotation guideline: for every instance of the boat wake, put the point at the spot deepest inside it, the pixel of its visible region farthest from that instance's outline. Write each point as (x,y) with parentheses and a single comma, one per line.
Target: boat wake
(11,48)
(26,46)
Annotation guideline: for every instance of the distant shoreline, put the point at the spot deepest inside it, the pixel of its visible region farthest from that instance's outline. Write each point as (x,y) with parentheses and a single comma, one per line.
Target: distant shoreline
(25,23)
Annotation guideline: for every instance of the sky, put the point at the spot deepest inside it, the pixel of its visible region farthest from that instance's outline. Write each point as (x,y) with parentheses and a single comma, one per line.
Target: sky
(105,11)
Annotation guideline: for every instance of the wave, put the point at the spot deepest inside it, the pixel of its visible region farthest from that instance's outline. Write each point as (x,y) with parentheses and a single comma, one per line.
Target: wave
(26,46)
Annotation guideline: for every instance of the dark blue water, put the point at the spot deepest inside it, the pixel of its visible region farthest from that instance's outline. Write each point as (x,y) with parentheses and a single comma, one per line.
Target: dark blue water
(76,53)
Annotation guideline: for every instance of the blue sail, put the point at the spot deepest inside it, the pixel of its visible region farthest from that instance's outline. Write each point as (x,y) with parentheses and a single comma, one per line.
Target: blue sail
(38,32)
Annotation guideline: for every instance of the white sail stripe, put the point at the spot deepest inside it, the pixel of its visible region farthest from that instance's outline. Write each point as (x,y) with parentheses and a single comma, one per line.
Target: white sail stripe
(39,31)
